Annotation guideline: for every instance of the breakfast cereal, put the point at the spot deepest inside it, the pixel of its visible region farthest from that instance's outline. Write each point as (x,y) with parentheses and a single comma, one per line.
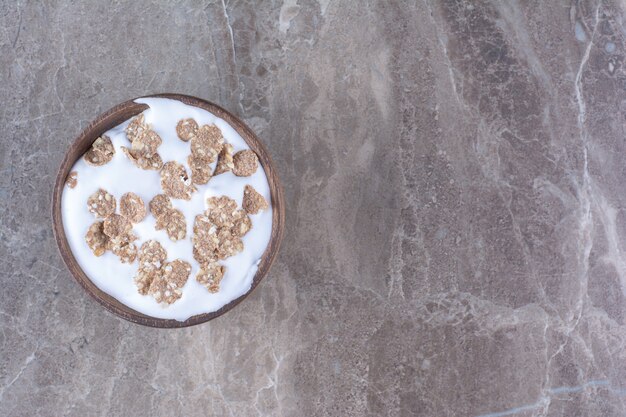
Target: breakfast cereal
(72,179)
(101,152)
(200,170)
(173,221)
(224,160)
(253,202)
(151,252)
(136,128)
(245,163)
(132,207)
(101,204)
(210,276)
(186,129)
(175,182)
(207,143)
(96,239)
(159,205)
(116,226)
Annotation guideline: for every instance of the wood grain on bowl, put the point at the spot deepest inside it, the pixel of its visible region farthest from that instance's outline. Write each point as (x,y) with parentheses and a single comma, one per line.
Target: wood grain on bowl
(114,117)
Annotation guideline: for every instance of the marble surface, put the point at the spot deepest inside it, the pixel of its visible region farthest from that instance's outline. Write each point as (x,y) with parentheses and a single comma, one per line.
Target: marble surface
(455,185)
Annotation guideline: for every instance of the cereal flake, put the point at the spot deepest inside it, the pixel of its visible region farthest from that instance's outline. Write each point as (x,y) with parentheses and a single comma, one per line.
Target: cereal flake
(241,226)
(210,275)
(152,163)
(101,204)
(146,274)
(132,207)
(204,240)
(125,251)
(146,145)
(96,239)
(200,170)
(136,128)
(151,252)
(229,244)
(186,129)
(160,204)
(115,226)
(101,152)
(245,163)
(173,221)
(253,202)
(72,179)
(175,181)
(165,288)
(222,211)
(207,143)
(224,160)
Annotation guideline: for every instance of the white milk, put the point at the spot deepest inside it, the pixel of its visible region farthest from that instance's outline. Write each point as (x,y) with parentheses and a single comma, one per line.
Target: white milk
(120,176)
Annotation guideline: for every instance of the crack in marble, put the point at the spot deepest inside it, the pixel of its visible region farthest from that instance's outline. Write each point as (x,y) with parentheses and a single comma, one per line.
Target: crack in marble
(582,111)
(586,192)
(448,61)
(157,73)
(230,30)
(545,401)
(236,72)
(273,383)
(19,29)
(27,362)
(585,195)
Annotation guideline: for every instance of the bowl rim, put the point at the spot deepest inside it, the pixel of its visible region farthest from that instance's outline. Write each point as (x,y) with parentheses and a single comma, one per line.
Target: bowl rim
(114,117)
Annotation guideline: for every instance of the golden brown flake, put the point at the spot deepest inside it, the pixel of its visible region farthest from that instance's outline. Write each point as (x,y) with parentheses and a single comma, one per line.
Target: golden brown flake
(152,163)
(101,203)
(204,239)
(224,160)
(217,233)
(121,240)
(202,255)
(222,211)
(207,143)
(124,250)
(151,252)
(101,152)
(229,244)
(177,272)
(163,292)
(72,179)
(115,226)
(210,275)
(200,170)
(145,145)
(241,226)
(96,239)
(253,202)
(165,288)
(132,207)
(136,128)
(203,228)
(173,221)
(123,247)
(175,181)
(146,274)
(245,163)
(186,129)
(160,204)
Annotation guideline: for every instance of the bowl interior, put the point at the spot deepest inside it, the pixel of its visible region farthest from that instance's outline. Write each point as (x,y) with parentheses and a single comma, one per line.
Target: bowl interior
(114,117)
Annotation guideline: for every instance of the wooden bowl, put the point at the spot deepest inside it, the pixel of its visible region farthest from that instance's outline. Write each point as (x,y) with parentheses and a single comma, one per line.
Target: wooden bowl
(114,117)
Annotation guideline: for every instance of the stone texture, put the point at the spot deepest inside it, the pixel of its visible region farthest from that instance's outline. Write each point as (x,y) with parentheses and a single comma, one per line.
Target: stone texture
(454,181)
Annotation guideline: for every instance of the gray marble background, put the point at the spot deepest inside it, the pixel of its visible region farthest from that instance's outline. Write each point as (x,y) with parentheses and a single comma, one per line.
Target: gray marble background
(455,184)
